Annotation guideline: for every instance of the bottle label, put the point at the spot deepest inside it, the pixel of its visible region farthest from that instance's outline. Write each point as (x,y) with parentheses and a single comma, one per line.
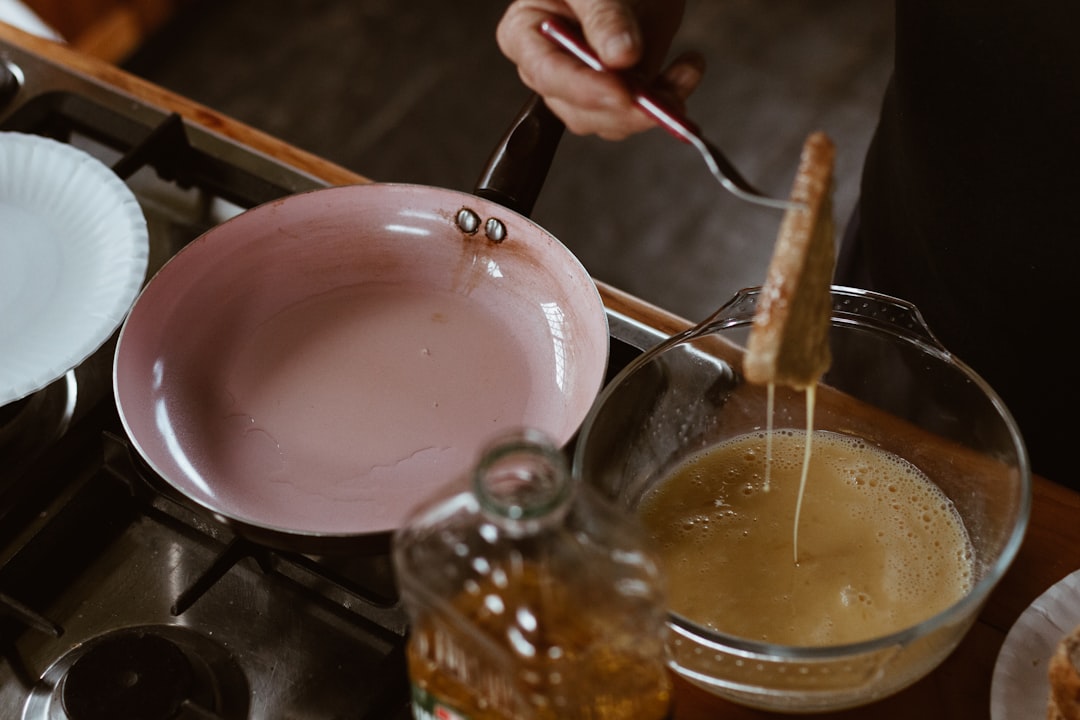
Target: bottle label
(428,707)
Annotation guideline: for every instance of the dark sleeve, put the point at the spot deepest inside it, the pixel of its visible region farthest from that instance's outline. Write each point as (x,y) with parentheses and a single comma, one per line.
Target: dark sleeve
(970,195)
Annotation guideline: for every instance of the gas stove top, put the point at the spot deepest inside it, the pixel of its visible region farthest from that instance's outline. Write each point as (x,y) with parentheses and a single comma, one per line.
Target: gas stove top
(117,600)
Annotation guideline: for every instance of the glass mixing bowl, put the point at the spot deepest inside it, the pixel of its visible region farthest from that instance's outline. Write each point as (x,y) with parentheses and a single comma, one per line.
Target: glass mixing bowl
(892,384)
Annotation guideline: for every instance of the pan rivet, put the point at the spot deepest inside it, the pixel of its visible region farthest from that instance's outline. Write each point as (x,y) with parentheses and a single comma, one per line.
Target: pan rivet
(468,221)
(495,230)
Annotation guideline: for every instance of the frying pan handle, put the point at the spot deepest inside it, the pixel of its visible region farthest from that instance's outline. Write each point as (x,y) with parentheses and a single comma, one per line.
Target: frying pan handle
(516,170)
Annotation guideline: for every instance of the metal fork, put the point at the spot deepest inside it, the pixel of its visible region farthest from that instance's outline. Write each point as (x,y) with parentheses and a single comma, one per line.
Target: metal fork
(570,39)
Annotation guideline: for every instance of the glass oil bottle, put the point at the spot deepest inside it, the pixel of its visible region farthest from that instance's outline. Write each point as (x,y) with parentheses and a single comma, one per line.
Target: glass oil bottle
(530,598)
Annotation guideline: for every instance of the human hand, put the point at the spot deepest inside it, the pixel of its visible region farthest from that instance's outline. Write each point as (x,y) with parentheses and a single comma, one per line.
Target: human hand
(627,35)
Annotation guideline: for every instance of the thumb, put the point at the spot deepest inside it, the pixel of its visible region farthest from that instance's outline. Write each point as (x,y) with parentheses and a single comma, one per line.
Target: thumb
(611,28)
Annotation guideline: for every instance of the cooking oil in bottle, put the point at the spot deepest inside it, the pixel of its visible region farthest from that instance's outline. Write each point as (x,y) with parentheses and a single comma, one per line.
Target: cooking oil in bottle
(530,598)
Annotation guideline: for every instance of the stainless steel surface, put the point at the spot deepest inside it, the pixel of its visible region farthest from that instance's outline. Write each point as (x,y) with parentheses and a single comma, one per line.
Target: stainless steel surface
(292,645)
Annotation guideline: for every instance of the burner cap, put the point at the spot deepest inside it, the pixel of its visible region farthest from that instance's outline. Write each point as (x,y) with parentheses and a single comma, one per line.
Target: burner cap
(133,675)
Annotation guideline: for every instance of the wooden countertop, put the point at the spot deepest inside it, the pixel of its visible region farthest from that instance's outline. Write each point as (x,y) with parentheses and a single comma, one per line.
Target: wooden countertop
(959,688)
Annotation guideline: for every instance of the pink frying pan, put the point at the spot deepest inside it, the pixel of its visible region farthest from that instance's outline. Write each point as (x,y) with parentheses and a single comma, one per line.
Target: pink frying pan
(312,368)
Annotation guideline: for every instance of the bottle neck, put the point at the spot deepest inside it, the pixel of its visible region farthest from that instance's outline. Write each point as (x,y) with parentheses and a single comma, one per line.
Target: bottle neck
(522,482)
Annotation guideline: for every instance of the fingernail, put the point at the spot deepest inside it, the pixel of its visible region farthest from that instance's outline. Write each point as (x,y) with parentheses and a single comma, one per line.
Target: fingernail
(618,46)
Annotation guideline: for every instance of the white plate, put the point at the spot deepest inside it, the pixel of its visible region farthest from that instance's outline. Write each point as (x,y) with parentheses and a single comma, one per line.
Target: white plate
(1020,689)
(73,257)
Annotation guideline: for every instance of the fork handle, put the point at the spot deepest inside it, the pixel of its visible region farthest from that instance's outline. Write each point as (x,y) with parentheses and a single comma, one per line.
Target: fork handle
(570,39)
(674,122)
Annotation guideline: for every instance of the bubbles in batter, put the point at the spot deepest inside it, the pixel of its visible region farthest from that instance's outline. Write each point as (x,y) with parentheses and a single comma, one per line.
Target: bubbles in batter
(880,546)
